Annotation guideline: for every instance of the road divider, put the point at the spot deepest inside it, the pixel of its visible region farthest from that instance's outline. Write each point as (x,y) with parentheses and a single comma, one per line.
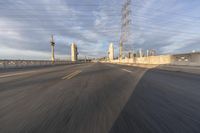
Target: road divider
(70,76)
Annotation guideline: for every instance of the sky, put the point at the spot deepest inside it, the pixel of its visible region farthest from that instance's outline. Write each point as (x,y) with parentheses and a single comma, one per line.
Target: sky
(168,26)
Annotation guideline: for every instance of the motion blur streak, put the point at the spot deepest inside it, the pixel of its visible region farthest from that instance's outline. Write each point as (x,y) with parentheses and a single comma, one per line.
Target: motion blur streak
(102,98)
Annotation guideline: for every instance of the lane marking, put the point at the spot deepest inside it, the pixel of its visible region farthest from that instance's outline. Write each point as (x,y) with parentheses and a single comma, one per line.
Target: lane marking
(16,74)
(68,75)
(72,75)
(36,71)
(127,70)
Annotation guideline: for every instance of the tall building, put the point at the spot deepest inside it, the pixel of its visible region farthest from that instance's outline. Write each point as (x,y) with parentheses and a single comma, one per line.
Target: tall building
(111,52)
(74,52)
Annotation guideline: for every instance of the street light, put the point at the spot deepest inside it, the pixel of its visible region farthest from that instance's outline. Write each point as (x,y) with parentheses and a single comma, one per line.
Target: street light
(52,49)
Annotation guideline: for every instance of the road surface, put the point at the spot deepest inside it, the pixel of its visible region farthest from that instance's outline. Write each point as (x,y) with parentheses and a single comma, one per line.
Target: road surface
(99,98)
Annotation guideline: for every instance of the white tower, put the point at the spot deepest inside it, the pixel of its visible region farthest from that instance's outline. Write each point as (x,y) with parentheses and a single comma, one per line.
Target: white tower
(111,52)
(74,52)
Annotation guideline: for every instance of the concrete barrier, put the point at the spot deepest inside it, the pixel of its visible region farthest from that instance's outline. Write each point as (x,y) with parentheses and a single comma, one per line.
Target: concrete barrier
(188,59)
(7,64)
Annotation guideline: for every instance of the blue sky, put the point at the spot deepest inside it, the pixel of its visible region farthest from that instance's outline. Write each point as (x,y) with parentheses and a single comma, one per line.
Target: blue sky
(169,26)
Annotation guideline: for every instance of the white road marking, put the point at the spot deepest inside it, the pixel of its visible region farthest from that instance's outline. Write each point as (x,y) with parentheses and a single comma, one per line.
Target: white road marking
(16,74)
(29,72)
(127,70)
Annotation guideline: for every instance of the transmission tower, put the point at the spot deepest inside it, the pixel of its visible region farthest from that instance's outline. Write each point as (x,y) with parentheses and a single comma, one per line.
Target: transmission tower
(126,22)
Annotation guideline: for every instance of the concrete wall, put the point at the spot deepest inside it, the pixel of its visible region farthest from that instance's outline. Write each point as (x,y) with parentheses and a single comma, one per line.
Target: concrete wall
(163,59)
(190,59)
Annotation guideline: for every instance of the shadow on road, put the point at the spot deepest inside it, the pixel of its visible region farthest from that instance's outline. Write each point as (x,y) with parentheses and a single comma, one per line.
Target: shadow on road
(162,101)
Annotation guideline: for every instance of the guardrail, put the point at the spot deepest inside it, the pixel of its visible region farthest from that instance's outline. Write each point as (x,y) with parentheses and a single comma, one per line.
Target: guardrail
(6,64)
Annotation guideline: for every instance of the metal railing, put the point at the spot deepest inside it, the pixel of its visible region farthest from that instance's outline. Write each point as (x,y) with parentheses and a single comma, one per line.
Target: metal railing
(6,64)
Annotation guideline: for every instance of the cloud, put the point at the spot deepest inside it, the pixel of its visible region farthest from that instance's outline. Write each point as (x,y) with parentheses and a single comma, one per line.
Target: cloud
(27,26)
(11,53)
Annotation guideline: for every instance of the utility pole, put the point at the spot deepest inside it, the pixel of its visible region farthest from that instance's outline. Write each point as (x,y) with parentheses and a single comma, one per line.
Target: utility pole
(52,49)
(126,22)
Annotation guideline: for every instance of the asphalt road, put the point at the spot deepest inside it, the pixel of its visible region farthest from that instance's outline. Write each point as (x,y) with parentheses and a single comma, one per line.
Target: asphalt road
(99,98)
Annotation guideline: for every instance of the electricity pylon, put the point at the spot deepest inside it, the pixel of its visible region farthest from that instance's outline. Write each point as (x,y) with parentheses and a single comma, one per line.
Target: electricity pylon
(126,22)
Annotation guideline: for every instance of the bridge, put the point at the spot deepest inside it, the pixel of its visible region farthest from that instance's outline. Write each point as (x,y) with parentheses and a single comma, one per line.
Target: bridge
(99,98)
(125,95)
(148,86)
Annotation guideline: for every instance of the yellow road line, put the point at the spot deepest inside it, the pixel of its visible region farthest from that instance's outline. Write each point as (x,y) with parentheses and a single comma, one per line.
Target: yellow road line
(71,75)
(75,74)
(68,75)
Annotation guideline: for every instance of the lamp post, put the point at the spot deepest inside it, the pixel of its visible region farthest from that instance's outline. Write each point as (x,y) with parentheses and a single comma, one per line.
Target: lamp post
(52,50)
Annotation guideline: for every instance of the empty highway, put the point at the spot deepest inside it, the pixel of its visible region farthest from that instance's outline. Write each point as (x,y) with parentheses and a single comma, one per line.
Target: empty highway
(99,98)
